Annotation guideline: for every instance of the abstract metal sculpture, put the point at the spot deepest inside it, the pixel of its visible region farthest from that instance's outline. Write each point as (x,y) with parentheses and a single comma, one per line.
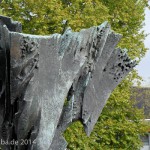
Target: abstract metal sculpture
(38,73)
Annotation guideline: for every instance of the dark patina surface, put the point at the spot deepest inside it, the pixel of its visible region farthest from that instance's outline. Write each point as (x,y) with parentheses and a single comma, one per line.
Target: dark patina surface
(37,74)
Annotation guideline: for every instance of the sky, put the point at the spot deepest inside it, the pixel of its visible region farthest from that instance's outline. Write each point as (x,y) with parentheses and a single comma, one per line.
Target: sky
(144,66)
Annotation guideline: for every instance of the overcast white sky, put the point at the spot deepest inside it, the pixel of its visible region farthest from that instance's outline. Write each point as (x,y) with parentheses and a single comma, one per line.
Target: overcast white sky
(144,66)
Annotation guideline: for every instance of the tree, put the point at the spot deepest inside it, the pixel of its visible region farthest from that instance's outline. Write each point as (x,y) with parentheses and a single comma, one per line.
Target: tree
(142,96)
(50,14)
(120,124)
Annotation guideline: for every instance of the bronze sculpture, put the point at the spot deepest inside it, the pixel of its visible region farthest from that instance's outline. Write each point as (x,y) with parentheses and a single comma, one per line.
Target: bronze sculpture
(37,74)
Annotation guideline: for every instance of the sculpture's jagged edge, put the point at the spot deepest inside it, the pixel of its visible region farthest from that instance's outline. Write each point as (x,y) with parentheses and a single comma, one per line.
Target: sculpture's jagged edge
(5,119)
(83,66)
(6,25)
(14,26)
(91,89)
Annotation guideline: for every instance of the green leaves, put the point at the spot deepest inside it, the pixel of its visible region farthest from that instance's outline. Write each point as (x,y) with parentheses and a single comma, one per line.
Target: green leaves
(45,17)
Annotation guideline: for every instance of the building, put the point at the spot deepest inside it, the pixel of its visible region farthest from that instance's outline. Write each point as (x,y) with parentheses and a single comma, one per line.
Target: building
(146,140)
(142,97)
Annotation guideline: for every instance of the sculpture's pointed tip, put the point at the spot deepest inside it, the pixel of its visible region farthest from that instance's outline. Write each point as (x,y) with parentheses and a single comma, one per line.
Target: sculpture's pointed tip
(67,30)
(88,126)
(134,63)
(105,24)
(87,130)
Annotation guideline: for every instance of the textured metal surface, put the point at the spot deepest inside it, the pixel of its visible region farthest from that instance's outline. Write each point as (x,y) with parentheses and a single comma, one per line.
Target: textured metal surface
(38,73)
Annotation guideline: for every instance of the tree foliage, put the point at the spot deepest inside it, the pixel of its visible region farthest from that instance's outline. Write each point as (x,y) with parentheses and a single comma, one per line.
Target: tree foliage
(119,125)
(45,17)
(142,97)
